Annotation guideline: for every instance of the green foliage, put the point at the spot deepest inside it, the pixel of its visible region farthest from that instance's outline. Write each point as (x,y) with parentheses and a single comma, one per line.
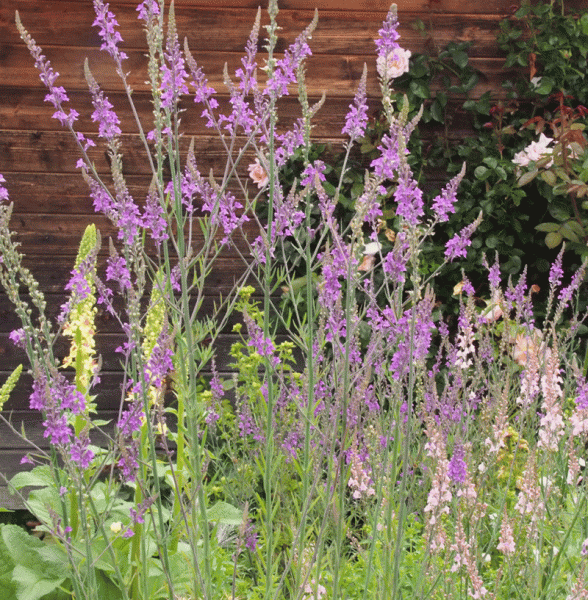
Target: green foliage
(31,569)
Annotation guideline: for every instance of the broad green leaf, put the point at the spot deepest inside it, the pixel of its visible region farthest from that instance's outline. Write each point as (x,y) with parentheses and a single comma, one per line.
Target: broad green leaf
(492,241)
(223,512)
(420,89)
(437,112)
(553,239)
(39,477)
(460,58)
(584,23)
(7,586)
(545,86)
(549,177)
(569,233)
(39,569)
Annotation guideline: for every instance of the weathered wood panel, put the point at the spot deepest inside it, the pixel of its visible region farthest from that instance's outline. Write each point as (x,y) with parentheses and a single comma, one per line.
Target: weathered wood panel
(337,74)
(53,272)
(338,32)
(24,109)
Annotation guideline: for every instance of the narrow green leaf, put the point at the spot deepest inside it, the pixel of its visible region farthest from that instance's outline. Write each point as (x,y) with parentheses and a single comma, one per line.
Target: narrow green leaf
(547,227)
(527,177)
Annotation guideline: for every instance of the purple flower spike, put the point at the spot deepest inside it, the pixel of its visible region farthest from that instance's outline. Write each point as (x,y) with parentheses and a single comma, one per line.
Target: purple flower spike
(389,35)
(409,198)
(285,71)
(316,169)
(18,338)
(148,9)
(356,120)
(458,244)
(457,468)
(556,271)
(3,190)
(81,453)
(107,119)
(107,23)
(445,202)
(173,73)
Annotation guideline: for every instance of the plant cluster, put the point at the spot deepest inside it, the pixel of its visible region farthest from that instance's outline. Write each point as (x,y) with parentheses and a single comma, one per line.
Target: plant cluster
(360,449)
(547,49)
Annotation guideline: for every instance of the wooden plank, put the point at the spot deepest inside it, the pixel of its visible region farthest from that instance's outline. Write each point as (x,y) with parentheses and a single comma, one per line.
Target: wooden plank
(32,422)
(109,392)
(108,397)
(338,32)
(104,321)
(57,152)
(106,345)
(61,234)
(25,109)
(338,74)
(455,6)
(424,6)
(52,272)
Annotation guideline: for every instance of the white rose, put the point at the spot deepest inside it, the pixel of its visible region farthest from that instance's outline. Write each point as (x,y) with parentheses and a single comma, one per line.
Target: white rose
(394,65)
(535,151)
(258,174)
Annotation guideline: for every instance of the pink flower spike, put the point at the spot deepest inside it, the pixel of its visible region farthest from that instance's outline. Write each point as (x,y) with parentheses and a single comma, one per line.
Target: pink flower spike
(107,23)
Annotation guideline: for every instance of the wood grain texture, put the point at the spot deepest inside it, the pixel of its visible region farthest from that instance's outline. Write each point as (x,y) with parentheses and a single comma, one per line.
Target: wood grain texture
(338,31)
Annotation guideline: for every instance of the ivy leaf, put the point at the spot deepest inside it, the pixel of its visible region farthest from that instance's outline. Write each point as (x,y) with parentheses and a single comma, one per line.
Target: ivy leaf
(545,86)
(460,58)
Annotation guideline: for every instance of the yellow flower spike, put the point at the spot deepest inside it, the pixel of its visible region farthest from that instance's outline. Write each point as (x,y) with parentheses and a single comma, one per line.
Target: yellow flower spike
(80,326)
(9,385)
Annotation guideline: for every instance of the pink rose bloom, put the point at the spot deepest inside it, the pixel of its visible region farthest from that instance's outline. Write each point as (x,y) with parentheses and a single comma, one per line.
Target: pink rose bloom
(258,174)
(394,65)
